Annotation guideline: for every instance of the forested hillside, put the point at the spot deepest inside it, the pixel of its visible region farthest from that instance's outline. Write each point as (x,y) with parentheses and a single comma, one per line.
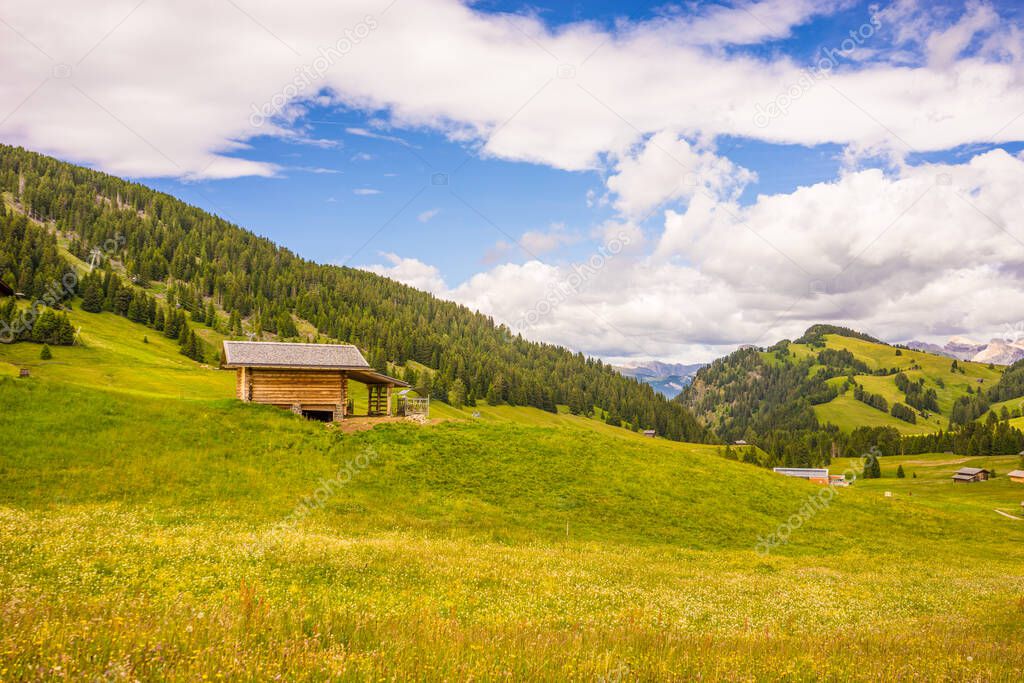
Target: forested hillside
(837,392)
(159,249)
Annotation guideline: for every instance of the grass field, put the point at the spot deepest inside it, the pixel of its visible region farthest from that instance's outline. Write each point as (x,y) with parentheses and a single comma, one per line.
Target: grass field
(928,482)
(153,528)
(847,413)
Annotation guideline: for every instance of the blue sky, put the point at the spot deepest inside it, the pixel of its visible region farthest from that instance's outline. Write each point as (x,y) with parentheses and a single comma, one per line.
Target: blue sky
(312,205)
(738,170)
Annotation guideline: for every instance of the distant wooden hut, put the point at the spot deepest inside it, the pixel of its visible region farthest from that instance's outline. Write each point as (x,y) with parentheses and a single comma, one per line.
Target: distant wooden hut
(308,379)
(1017,476)
(6,289)
(650,433)
(966,475)
(813,474)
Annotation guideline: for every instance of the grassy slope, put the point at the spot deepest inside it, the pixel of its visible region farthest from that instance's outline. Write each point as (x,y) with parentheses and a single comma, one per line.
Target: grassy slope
(117,355)
(113,355)
(847,413)
(140,535)
(138,380)
(1011,404)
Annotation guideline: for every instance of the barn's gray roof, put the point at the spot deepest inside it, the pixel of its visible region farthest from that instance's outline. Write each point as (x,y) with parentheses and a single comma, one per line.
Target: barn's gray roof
(282,355)
(804,472)
(1016,474)
(971,471)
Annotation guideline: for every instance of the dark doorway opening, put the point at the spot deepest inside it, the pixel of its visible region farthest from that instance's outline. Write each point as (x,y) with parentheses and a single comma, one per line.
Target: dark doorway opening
(319,415)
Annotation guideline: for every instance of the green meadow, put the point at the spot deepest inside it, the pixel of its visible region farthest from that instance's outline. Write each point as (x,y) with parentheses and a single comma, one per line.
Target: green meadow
(151,527)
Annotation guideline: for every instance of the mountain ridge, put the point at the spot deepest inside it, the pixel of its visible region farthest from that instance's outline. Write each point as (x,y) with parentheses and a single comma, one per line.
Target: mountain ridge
(836,391)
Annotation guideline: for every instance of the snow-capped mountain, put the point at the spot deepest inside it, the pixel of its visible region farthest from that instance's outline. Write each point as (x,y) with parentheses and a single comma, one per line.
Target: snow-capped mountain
(1001,352)
(668,379)
(997,351)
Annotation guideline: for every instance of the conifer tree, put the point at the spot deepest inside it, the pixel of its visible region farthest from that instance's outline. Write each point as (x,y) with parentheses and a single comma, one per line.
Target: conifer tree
(171,329)
(872,468)
(122,301)
(64,335)
(136,310)
(457,394)
(195,351)
(92,297)
(235,324)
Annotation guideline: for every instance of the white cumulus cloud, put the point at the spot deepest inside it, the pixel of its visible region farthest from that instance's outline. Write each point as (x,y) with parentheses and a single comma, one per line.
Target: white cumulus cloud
(931,251)
(412,272)
(150,90)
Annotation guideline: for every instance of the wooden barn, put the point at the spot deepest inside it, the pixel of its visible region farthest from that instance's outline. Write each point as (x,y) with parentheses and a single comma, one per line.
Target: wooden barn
(308,379)
(966,475)
(812,474)
(1017,476)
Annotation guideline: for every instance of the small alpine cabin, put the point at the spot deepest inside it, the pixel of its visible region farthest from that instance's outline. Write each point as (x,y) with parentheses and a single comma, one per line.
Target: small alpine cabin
(967,475)
(308,379)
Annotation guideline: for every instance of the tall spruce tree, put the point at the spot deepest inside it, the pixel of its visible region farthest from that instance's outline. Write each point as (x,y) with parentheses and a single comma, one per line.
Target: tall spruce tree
(92,296)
